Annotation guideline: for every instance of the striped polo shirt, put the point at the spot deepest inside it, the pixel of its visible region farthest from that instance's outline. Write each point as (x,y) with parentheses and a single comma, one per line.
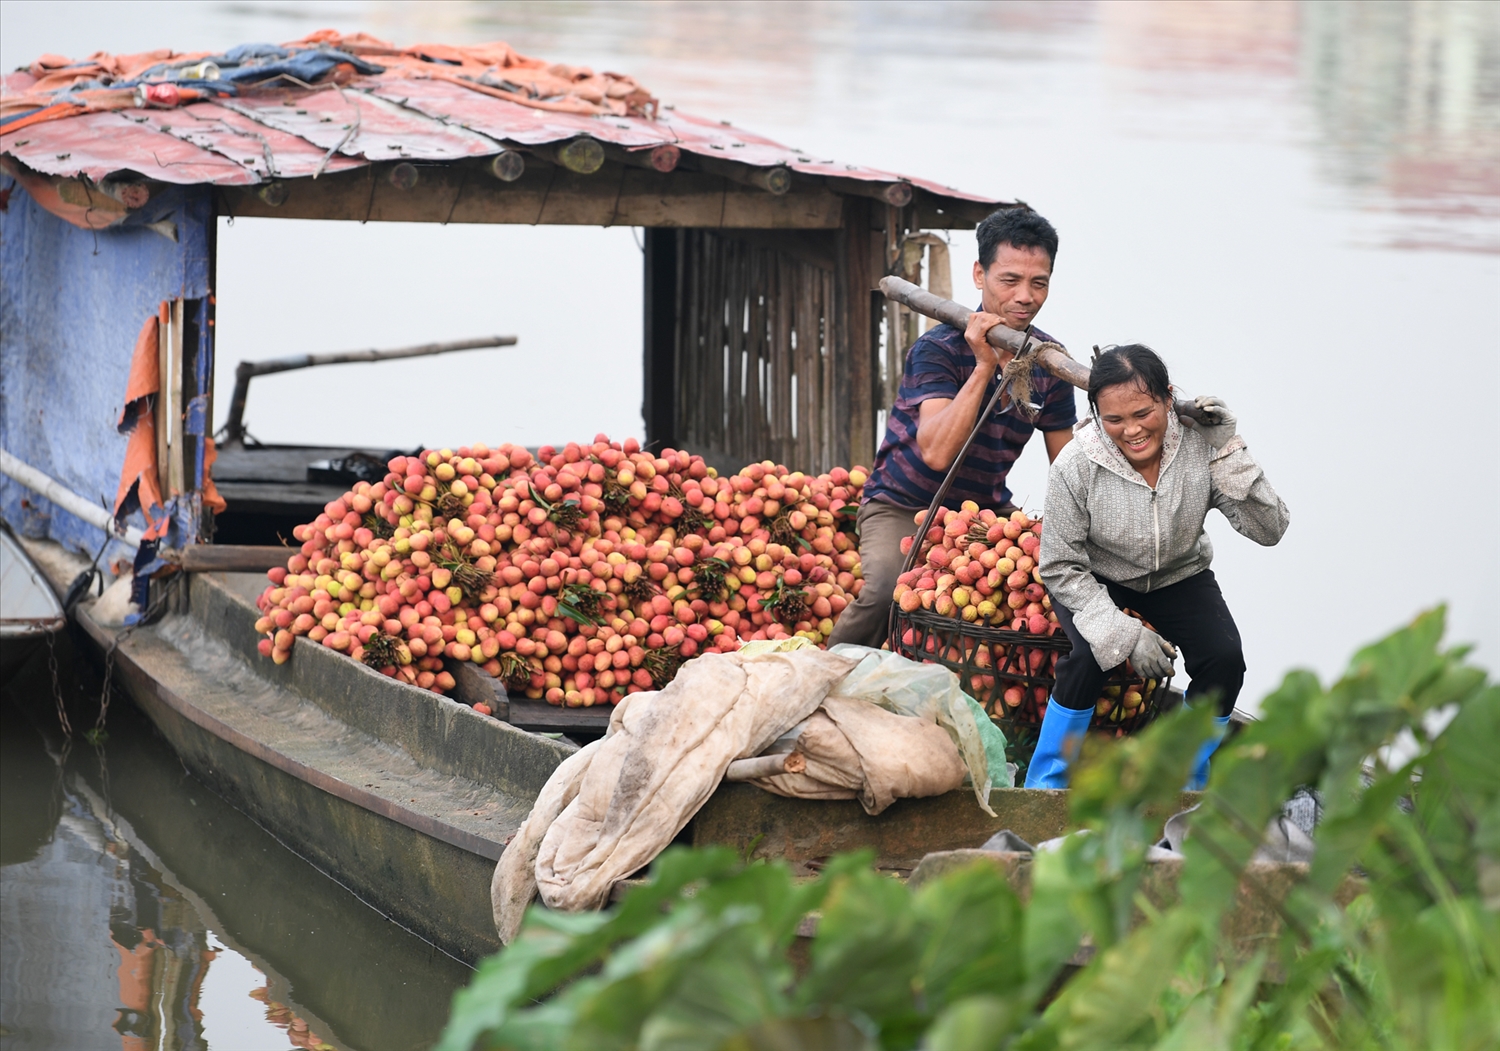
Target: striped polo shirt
(937,365)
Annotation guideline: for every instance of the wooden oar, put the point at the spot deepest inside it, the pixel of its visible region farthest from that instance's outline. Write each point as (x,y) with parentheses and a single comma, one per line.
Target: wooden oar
(916,298)
(234,428)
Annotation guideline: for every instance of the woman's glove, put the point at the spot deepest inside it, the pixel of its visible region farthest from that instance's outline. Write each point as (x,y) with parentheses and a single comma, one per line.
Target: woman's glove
(1218,424)
(1153,655)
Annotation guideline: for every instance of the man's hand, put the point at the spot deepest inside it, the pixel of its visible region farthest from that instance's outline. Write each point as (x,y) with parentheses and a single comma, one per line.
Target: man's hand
(943,424)
(985,355)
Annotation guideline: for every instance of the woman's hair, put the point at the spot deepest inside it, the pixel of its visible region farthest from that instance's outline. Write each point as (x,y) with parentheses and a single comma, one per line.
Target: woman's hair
(1134,363)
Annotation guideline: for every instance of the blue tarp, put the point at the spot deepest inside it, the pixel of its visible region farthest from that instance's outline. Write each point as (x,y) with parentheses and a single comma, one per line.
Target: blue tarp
(72,302)
(246,64)
(254,63)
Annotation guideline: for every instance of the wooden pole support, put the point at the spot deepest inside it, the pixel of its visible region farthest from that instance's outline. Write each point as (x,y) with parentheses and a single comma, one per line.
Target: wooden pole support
(775,181)
(662,158)
(230,558)
(896,194)
(403,176)
(916,298)
(508,165)
(583,155)
(766,766)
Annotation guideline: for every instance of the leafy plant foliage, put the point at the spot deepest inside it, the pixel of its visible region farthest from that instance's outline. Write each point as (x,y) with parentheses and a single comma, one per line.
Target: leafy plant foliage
(1390,939)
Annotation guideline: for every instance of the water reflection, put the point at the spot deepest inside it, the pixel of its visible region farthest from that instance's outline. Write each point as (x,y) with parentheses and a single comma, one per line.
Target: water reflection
(138,911)
(1401,97)
(1407,98)
(99,948)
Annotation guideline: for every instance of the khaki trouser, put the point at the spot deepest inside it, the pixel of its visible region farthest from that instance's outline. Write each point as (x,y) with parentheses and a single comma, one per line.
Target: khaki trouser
(865,622)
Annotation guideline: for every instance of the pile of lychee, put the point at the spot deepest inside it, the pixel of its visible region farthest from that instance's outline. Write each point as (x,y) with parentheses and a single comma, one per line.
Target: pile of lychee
(576,576)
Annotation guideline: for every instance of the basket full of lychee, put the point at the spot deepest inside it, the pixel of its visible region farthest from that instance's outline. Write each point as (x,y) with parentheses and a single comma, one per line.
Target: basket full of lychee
(974,601)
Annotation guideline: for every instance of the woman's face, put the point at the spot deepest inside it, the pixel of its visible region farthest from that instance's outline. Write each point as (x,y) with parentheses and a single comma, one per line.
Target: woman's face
(1135,421)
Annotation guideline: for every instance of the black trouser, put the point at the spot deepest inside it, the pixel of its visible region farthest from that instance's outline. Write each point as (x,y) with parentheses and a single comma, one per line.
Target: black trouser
(1190,614)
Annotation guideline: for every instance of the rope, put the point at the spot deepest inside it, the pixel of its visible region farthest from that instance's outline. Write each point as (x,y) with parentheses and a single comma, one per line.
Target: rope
(1017,375)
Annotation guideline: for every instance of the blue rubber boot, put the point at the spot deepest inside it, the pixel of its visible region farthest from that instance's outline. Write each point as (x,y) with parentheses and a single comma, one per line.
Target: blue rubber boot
(1057,747)
(1199,777)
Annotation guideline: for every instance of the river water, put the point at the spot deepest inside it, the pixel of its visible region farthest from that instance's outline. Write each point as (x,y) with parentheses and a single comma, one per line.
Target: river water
(1297,204)
(139,911)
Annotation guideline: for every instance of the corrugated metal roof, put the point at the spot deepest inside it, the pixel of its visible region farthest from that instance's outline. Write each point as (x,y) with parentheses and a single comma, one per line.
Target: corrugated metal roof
(428,103)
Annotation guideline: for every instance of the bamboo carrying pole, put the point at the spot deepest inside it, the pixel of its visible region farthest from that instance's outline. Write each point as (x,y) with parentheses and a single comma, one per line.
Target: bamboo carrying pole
(234,427)
(914,297)
(198,558)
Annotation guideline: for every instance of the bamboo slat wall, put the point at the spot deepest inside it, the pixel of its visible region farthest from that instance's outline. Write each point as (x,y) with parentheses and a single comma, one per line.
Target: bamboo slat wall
(755,354)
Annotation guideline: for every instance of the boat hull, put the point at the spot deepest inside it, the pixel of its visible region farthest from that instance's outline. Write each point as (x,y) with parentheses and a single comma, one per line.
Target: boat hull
(29,609)
(407,799)
(416,840)
(438,890)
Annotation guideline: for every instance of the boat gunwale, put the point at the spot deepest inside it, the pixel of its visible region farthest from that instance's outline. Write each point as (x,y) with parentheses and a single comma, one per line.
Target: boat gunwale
(273,757)
(31,627)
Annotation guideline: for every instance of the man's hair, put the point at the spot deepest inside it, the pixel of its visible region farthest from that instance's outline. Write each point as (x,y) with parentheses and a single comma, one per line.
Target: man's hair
(1019,227)
(1135,364)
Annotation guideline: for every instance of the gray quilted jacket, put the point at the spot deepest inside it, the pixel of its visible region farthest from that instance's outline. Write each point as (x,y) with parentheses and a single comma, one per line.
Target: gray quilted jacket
(1102,517)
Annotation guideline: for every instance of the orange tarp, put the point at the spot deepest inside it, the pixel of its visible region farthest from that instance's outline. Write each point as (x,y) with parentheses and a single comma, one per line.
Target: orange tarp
(139,485)
(495,69)
(101,211)
(498,69)
(211,498)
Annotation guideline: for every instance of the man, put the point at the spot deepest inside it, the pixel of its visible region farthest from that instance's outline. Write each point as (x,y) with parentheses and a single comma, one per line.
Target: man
(950,377)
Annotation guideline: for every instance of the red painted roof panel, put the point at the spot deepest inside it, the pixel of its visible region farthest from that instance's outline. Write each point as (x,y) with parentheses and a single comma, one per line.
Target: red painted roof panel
(96,144)
(358,124)
(262,149)
(454,105)
(424,107)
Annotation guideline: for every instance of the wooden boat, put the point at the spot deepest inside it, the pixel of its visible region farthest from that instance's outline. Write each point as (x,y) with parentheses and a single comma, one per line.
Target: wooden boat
(29,609)
(407,798)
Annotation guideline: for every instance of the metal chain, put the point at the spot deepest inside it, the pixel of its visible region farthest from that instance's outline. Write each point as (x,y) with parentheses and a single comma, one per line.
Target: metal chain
(97,735)
(62,712)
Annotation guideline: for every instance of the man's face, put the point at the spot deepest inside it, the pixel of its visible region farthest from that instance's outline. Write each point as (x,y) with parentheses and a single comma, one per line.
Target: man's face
(1015,285)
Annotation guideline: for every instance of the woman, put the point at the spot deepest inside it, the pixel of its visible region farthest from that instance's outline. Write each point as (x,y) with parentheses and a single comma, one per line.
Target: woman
(1126,500)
